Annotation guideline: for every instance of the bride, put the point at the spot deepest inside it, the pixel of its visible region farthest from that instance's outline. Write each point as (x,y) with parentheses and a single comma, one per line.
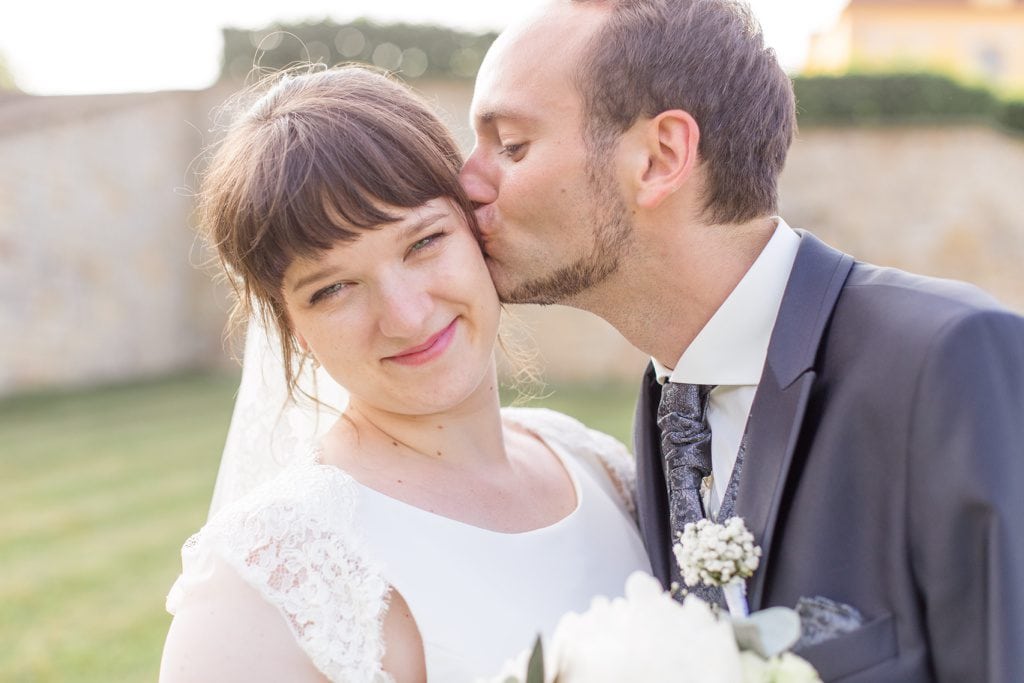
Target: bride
(429,535)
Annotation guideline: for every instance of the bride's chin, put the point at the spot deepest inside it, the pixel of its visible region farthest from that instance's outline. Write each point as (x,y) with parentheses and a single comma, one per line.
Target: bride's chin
(433,395)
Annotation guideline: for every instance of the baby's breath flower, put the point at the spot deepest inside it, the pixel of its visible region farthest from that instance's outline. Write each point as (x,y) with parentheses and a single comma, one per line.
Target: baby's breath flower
(716,554)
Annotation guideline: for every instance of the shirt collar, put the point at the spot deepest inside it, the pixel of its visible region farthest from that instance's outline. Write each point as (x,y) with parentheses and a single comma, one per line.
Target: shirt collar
(732,346)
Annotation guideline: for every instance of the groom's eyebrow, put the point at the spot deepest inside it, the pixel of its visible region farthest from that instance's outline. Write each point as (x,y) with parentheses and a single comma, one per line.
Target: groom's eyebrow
(489,116)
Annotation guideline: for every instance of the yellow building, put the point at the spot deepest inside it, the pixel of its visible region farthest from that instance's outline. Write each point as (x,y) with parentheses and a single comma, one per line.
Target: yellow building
(979,40)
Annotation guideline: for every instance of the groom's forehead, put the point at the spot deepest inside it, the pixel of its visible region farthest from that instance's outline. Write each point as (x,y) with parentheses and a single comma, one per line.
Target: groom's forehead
(557,29)
(532,56)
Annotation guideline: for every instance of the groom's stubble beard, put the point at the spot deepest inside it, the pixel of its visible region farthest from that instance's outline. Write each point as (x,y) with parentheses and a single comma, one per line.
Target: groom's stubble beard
(612,236)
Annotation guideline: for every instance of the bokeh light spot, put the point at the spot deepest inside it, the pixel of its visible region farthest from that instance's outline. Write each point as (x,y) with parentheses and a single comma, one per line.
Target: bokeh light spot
(414,62)
(350,42)
(387,56)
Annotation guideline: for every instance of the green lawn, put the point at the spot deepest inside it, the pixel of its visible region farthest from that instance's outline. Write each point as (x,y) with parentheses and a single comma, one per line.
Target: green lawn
(99,489)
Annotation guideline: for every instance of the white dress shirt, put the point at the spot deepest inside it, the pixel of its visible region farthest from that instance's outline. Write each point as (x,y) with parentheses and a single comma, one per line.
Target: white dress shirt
(730,351)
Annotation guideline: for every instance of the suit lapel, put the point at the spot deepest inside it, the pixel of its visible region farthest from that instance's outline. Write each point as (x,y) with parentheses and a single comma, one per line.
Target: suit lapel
(652,496)
(774,427)
(776,416)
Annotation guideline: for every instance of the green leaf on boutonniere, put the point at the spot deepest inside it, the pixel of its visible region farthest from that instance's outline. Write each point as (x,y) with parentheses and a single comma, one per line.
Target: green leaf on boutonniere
(535,669)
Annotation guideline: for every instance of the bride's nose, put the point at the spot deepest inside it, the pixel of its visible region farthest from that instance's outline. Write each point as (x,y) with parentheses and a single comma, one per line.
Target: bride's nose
(404,309)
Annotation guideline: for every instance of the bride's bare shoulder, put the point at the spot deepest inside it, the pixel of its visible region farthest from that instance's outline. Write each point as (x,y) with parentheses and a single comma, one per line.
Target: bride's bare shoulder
(225,630)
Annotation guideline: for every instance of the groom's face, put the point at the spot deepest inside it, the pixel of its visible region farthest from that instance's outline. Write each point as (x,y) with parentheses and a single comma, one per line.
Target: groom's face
(553,224)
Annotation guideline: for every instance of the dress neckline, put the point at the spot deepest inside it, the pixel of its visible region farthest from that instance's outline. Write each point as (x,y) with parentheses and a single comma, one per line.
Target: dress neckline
(555,448)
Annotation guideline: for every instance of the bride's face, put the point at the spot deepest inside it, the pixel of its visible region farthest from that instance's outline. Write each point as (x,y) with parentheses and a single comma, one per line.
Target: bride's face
(405,317)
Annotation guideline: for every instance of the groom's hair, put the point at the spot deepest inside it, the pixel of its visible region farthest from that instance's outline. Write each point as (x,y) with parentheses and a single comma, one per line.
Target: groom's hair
(705,57)
(321,156)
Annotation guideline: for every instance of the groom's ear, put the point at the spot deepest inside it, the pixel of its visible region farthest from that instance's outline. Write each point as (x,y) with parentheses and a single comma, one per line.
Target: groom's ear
(668,147)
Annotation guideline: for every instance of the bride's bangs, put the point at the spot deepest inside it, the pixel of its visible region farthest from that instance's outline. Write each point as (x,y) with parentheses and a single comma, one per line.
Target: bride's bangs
(338,151)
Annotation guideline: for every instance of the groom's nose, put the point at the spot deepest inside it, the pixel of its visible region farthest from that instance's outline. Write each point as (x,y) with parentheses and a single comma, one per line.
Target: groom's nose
(477,181)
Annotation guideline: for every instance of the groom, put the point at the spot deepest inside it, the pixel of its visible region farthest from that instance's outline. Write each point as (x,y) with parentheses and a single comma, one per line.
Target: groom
(867,424)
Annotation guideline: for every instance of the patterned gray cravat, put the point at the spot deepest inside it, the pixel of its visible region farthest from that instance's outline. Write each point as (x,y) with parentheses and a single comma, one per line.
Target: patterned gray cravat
(686,448)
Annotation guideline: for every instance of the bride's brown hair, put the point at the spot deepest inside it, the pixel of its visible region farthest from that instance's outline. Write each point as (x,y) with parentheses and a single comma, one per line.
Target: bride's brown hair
(320,156)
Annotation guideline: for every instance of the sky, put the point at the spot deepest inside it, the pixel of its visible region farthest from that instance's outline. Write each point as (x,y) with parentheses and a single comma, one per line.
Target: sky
(56,47)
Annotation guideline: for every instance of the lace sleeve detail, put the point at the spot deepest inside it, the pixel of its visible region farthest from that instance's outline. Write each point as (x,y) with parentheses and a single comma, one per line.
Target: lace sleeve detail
(613,458)
(293,540)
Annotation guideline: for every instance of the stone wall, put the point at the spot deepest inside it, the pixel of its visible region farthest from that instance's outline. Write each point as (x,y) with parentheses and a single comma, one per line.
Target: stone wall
(97,274)
(939,201)
(98,263)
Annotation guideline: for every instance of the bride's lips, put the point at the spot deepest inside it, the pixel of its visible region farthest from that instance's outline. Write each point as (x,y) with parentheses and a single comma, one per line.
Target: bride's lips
(428,350)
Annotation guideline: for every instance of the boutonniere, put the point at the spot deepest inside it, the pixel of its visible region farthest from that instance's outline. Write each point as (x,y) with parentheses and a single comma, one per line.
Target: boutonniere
(721,556)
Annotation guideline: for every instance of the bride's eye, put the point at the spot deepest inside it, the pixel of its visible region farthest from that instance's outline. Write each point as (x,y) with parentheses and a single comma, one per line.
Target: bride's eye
(326,292)
(426,242)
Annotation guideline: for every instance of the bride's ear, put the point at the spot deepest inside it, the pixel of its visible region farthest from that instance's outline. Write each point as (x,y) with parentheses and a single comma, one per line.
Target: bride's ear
(306,351)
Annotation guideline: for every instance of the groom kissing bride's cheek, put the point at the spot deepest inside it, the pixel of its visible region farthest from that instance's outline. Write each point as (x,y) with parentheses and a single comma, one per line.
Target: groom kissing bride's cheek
(867,424)
(848,436)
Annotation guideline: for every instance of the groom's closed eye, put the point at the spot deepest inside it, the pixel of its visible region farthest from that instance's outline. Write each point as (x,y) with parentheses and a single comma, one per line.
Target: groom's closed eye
(513,150)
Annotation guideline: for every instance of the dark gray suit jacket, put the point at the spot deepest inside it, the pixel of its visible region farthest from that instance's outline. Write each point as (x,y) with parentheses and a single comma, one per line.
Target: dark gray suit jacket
(884,470)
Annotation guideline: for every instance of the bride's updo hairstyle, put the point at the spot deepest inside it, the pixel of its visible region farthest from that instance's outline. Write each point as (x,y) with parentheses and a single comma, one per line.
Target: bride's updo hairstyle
(320,156)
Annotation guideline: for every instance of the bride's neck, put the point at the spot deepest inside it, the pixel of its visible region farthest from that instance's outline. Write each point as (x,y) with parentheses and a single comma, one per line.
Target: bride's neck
(468,435)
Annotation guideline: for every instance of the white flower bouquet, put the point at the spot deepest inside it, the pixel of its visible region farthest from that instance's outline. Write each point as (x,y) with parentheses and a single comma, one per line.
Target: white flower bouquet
(648,636)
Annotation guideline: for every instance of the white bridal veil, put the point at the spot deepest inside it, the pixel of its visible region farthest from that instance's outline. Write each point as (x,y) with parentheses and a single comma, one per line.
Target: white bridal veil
(268,428)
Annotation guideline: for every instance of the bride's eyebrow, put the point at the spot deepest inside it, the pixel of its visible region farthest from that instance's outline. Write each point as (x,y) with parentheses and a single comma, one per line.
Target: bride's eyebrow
(416,227)
(320,274)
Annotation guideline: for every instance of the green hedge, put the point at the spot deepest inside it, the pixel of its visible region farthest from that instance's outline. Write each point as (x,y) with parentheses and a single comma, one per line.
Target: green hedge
(1012,116)
(413,51)
(853,99)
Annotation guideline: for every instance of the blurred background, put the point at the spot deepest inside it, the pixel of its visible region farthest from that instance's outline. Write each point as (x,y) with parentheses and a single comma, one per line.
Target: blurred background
(116,384)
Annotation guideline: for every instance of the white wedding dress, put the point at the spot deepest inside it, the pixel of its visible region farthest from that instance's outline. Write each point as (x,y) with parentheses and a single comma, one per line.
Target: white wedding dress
(325,550)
